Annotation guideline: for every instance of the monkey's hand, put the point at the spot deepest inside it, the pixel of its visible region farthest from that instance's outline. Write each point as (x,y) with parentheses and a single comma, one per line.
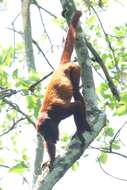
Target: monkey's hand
(32,88)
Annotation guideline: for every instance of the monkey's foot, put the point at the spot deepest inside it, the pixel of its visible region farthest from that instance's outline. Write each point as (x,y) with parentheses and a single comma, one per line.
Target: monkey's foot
(47,164)
(89,129)
(79,136)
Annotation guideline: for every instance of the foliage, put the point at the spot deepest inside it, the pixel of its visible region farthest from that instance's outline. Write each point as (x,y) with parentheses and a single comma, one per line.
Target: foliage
(111,47)
(14,87)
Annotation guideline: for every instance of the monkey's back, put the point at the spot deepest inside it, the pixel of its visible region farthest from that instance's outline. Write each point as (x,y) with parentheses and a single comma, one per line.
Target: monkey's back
(60,89)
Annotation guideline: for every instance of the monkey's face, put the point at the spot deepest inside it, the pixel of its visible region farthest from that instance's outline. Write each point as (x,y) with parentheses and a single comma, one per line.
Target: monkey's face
(49,129)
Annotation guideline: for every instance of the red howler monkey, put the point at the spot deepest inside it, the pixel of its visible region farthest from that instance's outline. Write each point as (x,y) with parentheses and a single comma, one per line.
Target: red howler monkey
(57,103)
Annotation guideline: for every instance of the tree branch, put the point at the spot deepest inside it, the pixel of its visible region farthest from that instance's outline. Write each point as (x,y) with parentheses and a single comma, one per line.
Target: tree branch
(102,65)
(38,158)
(32,87)
(16,107)
(12,127)
(39,7)
(38,47)
(108,151)
(7,92)
(4,166)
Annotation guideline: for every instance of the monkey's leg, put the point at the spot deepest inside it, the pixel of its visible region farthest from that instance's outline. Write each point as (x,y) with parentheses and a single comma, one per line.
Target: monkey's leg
(60,112)
(80,114)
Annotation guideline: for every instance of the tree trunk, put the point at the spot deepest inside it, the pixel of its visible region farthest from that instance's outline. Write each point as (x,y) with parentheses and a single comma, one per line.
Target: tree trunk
(31,65)
(28,34)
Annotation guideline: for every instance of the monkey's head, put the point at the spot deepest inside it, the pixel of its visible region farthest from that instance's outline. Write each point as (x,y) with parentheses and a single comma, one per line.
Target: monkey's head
(45,121)
(48,127)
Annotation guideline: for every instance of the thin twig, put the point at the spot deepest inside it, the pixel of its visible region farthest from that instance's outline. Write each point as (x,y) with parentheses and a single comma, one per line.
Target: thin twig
(17,108)
(13,26)
(117,37)
(98,72)
(107,150)
(13,126)
(118,178)
(4,166)
(32,87)
(106,36)
(7,92)
(18,32)
(14,41)
(99,60)
(40,7)
(116,135)
(45,29)
(16,17)
(107,39)
(42,53)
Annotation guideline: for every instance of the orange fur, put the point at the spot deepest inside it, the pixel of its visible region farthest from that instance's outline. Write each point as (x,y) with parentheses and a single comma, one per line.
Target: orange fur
(60,89)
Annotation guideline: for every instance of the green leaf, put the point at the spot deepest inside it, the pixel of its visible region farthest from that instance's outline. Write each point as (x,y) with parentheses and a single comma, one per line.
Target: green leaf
(103,157)
(31,101)
(15,73)
(75,166)
(124,98)
(116,146)
(3,78)
(105,56)
(122,106)
(103,86)
(60,22)
(34,76)
(20,82)
(36,111)
(65,137)
(24,155)
(19,168)
(91,20)
(109,132)
(98,32)
(120,43)
(121,110)
(105,2)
